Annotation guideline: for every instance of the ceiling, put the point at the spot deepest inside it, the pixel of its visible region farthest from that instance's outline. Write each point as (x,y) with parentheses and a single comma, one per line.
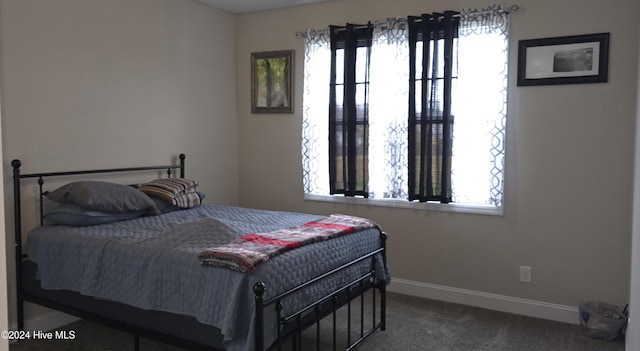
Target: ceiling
(246,6)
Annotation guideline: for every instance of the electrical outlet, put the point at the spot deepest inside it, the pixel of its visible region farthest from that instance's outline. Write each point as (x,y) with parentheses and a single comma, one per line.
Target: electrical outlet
(525,274)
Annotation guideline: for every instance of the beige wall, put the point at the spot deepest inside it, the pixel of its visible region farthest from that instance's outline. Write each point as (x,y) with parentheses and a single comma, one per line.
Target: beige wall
(94,84)
(108,83)
(4,307)
(569,161)
(633,329)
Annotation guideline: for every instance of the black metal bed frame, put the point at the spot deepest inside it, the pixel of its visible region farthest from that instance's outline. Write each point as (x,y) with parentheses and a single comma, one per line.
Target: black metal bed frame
(289,326)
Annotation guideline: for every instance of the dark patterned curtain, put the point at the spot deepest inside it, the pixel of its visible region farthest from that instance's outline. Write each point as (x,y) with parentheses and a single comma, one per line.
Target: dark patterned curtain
(432,40)
(349,109)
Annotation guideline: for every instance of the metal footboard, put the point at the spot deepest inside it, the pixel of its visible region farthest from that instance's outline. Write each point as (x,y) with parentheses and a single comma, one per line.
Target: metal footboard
(291,325)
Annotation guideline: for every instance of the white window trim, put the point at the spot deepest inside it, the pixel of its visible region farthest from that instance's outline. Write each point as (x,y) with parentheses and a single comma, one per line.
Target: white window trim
(399,203)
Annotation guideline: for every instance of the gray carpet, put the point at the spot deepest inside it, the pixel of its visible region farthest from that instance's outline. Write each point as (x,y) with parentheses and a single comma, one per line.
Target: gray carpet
(412,324)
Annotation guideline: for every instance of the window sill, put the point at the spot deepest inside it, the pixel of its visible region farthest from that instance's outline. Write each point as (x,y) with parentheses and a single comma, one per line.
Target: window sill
(428,206)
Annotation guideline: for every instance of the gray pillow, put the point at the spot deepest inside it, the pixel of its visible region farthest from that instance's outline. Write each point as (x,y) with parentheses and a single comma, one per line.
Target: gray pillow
(104,196)
(75,215)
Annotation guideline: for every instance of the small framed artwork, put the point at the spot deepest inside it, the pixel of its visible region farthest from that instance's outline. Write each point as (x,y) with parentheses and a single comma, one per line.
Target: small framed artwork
(564,60)
(271,82)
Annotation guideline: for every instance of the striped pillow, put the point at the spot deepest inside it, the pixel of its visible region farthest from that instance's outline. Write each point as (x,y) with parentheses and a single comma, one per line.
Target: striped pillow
(179,192)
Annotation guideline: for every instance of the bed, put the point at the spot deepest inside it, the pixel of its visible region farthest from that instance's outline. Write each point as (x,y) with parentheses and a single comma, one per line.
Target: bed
(177,272)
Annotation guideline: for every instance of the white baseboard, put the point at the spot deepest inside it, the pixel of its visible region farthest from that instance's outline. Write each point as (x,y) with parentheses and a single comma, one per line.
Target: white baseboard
(531,308)
(46,321)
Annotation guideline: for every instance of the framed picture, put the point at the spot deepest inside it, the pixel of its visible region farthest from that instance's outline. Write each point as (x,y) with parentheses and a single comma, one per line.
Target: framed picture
(564,60)
(271,82)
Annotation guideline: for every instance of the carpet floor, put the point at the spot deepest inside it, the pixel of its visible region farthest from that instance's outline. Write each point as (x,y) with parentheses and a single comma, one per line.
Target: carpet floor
(412,324)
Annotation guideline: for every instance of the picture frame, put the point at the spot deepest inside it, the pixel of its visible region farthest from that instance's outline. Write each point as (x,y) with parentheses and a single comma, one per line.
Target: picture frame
(271,81)
(574,59)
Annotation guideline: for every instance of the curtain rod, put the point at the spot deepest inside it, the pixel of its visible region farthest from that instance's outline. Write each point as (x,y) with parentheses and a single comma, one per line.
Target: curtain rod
(509,10)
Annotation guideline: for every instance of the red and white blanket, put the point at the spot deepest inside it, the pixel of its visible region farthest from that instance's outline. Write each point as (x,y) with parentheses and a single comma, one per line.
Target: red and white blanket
(249,250)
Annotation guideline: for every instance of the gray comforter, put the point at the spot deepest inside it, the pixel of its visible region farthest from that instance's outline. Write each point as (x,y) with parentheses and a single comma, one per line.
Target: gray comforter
(152,263)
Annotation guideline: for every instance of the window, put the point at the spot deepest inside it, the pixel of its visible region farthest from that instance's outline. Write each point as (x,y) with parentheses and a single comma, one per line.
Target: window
(382,155)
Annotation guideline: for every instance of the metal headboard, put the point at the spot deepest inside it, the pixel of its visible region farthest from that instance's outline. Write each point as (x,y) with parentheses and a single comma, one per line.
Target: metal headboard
(17,177)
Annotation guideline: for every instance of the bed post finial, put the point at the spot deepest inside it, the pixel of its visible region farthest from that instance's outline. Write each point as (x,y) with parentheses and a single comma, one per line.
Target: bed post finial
(182,158)
(259,288)
(16,163)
